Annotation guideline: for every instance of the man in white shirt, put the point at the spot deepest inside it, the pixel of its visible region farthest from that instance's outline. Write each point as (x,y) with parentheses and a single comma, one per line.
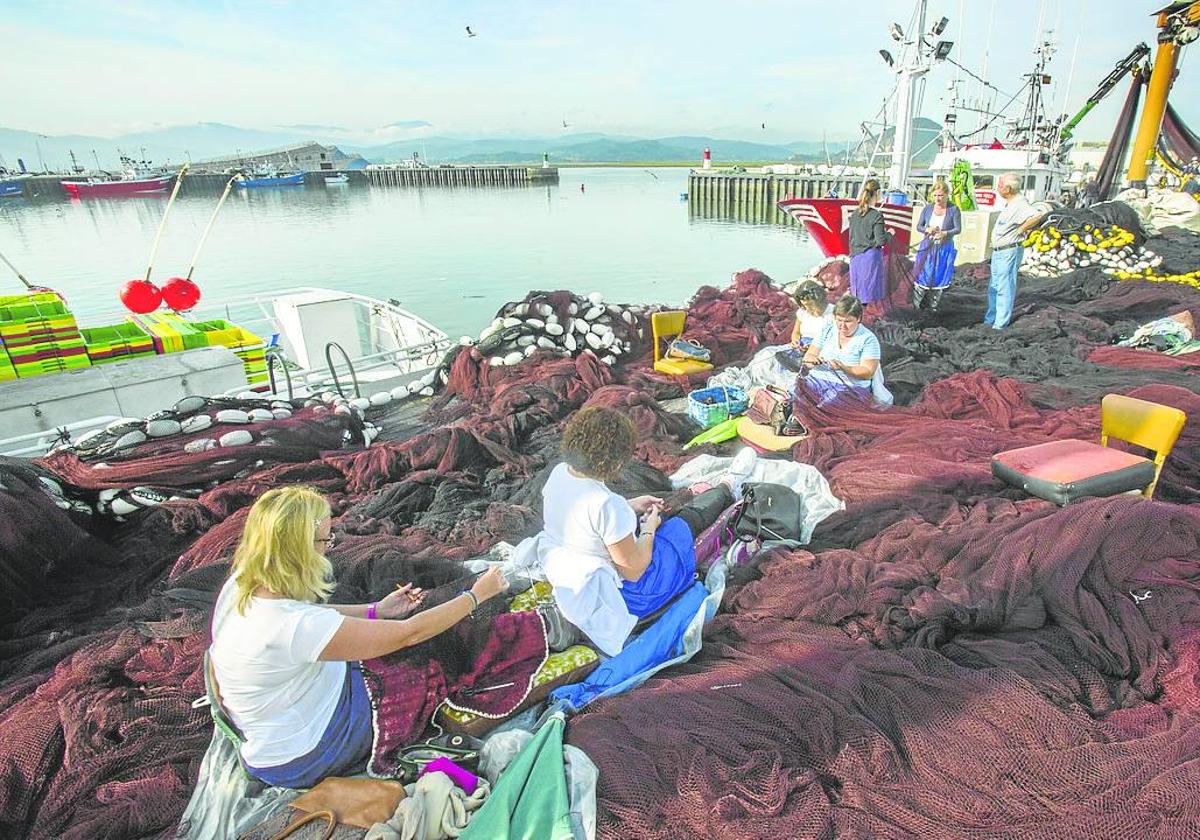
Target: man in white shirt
(1012,225)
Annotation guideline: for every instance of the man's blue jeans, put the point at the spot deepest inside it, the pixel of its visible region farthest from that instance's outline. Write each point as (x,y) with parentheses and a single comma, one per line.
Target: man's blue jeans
(1002,288)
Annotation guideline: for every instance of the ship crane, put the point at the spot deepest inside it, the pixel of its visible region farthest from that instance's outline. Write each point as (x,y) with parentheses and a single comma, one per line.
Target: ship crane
(1124,67)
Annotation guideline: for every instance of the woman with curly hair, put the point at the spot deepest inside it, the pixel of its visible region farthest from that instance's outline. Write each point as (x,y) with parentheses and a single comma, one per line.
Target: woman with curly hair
(608,570)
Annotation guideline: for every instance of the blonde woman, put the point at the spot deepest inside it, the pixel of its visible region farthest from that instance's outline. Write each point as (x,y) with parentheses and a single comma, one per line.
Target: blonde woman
(939,222)
(867,238)
(286,664)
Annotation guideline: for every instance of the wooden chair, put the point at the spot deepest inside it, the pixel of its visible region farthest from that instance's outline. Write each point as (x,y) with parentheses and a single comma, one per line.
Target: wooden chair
(666,326)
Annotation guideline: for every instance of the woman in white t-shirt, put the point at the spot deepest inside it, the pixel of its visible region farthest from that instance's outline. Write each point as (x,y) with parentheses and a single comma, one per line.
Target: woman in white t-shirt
(286,664)
(813,313)
(606,570)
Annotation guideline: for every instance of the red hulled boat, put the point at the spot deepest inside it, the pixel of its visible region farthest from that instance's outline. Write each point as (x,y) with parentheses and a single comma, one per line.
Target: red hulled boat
(92,188)
(828,223)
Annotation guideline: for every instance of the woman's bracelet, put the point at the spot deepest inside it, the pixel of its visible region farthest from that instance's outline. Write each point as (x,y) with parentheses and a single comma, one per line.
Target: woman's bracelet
(371,612)
(474,600)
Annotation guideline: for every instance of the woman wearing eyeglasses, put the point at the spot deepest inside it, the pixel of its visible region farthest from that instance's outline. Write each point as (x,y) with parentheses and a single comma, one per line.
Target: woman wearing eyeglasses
(286,664)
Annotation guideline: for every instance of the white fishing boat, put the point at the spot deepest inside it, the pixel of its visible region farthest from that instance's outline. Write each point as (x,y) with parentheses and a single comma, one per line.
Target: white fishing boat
(341,179)
(315,340)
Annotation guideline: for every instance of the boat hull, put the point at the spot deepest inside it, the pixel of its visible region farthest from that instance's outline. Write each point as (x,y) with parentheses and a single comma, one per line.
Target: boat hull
(11,189)
(296,180)
(827,221)
(112,189)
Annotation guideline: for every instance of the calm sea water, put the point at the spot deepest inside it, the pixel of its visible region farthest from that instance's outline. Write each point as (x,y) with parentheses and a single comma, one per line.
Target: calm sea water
(450,255)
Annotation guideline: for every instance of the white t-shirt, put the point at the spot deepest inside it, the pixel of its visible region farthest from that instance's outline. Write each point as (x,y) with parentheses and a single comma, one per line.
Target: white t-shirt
(582,517)
(811,326)
(1007,230)
(267,671)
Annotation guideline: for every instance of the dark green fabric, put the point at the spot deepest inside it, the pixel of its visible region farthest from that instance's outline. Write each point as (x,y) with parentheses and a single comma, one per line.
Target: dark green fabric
(530,800)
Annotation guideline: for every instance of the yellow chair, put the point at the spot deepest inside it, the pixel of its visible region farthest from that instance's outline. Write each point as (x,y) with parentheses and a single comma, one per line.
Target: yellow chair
(1062,471)
(666,326)
(1142,423)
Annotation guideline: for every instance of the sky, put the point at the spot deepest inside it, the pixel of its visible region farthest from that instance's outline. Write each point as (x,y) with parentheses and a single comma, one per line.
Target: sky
(640,67)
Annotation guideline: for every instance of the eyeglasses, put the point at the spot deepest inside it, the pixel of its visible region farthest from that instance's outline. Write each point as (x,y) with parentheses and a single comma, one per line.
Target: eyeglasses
(328,541)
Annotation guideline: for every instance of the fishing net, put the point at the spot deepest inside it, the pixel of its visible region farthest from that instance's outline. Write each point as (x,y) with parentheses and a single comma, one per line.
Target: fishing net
(947,658)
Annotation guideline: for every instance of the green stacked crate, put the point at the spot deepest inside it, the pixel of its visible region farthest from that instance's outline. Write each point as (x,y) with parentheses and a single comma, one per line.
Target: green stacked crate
(7,371)
(249,348)
(39,335)
(117,342)
(169,332)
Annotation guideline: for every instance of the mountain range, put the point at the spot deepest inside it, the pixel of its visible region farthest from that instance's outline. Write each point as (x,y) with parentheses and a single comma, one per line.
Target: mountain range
(175,144)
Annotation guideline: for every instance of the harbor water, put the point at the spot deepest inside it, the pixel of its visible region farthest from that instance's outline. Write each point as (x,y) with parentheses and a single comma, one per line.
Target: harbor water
(450,255)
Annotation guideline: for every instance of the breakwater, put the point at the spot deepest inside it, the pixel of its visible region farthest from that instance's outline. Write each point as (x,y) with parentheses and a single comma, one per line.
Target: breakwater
(47,187)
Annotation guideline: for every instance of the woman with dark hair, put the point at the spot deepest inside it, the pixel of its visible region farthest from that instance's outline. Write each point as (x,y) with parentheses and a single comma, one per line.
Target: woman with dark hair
(607,569)
(940,221)
(867,238)
(813,312)
(845,360)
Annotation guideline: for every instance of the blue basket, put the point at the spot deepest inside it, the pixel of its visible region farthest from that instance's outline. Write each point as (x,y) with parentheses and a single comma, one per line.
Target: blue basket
(727,401)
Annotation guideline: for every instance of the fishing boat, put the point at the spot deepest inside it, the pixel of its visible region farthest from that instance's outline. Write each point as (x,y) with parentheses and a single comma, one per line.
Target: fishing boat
(290,343)
(341,179)
(136,178)
(257,181)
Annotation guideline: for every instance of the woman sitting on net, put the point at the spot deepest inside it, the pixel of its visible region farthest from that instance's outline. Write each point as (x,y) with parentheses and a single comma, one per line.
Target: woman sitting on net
(287,665)
(607,569)
(844,361)
(813,313)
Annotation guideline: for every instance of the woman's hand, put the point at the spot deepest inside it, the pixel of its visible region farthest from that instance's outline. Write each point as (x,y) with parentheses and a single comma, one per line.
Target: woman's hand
(642,504)
(490,584)
(651,519)
(834,364)
(403,601)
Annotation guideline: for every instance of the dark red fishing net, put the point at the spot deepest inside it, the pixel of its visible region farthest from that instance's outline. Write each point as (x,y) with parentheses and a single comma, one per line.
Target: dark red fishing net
(948,658)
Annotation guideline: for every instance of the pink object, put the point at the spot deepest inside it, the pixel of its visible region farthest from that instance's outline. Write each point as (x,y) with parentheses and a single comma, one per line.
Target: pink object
(465,779)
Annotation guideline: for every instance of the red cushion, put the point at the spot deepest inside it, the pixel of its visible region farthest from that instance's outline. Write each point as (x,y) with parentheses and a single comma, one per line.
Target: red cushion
(1067,461)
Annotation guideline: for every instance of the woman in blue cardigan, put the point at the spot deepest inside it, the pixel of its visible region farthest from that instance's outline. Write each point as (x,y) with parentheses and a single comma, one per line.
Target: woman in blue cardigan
(939,221)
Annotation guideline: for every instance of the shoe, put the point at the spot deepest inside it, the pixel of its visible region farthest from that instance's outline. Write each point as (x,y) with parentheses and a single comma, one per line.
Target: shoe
(739,471)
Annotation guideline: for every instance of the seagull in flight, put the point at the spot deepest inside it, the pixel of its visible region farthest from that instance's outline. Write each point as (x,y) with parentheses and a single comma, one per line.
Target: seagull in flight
(566,124)
(764,126)
(470,34)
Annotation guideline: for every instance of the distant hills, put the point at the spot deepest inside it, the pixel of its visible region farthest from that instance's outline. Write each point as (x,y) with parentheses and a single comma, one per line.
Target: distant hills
(174,144)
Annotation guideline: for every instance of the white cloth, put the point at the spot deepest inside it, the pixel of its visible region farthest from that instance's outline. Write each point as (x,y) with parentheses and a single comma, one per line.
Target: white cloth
(805,479)
(581,518)
(271,683)
(1008,223)
(762,370)
(812,326)
(434,809)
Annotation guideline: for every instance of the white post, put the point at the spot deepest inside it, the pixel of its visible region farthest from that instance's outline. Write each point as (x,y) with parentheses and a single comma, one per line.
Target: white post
(912,68)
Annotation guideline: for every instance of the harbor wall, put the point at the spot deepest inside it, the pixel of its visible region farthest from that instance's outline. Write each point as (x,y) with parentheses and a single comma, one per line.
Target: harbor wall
(47,187)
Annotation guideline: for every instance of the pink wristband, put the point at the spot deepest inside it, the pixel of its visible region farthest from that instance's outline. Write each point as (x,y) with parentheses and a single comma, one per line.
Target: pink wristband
(371,614)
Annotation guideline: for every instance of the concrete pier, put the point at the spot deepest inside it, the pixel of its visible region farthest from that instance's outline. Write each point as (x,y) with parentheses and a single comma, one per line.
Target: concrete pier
(752,196)
(458,176)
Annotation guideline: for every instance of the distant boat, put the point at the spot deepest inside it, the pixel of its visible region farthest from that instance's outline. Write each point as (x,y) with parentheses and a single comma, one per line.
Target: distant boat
(293,180)
(136,178)
(11,189)
(339,180)
(95,188)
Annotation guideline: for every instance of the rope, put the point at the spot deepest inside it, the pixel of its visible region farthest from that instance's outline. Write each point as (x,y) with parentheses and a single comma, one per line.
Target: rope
(163,222)
(209,227)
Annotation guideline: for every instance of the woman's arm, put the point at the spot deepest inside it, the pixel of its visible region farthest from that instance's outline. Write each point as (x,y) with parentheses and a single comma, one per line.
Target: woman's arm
(796,330)
(863,370)
(396,604)
(360,638)
(632,557)
(926,215)
(813,355)
(878,232)
(953,221)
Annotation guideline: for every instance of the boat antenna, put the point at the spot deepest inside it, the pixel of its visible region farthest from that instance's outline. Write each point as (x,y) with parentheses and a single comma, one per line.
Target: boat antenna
(209,226)
(163,222)
(20,276)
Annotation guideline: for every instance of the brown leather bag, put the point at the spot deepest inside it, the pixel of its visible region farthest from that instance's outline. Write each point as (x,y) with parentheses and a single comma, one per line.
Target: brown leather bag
(770,406)
(334,808)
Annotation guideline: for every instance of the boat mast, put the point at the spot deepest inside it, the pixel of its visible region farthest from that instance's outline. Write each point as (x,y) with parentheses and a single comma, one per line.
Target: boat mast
(913,66)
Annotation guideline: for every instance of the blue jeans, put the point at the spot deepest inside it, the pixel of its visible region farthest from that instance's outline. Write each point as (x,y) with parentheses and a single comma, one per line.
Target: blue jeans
(1002,288)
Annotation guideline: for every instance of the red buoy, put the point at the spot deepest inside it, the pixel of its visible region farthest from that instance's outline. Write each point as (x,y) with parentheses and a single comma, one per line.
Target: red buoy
(180,294)
(140,296)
